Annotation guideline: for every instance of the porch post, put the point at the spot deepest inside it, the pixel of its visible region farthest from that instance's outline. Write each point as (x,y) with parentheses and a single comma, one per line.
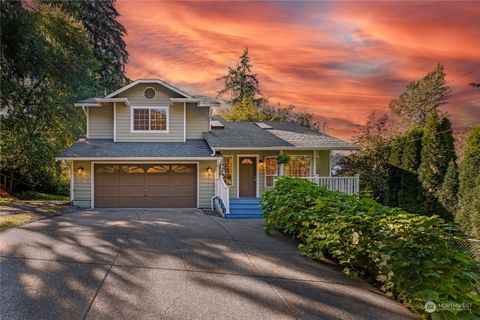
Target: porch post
(281,167)
(314,162)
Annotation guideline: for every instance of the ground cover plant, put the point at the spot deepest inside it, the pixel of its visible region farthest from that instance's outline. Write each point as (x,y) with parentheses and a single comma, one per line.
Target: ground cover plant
(410,257)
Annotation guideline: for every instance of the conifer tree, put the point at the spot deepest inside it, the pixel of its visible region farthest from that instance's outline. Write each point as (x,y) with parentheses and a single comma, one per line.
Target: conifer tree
(409,197)
(468,213)
(448,196)
(437,151)
(394,171)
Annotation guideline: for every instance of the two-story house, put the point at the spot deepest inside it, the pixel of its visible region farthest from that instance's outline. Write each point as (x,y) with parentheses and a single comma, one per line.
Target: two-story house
(152,145)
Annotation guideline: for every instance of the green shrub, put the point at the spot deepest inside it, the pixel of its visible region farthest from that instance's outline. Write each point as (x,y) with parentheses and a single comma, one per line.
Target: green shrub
(410,256)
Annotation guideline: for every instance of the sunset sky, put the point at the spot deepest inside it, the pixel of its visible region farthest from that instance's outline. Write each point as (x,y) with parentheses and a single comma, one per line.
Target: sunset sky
(340,60)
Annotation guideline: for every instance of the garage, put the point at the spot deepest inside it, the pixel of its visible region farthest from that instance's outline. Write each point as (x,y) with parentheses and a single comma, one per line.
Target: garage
(145,185)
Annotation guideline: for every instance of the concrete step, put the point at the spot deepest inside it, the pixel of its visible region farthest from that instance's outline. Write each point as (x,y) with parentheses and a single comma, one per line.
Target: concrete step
(243,216)
(244,206)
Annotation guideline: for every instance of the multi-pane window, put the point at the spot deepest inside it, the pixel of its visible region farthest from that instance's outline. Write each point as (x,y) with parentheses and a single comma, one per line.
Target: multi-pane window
(228,170)
(299,166)
(270,170)
(150,119)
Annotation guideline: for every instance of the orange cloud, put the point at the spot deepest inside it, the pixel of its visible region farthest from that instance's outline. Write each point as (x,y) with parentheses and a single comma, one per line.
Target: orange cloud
(339,60)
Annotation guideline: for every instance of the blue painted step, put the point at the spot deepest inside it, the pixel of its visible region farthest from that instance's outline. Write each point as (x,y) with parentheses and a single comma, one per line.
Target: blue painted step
(245,208)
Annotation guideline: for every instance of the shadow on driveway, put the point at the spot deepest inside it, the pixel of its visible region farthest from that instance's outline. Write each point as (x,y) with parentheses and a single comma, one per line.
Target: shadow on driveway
(171,264)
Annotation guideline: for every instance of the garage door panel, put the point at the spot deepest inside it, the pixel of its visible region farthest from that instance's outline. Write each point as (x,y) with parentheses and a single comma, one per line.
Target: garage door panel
(183,202)
(158,202)
(107,191)
(131,190)
(107,202)
(145,185)
(132,202)
(154,191)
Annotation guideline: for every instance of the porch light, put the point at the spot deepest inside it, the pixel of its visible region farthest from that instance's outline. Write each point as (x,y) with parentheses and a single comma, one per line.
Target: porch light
(261,163)
(209,171)
(80,171)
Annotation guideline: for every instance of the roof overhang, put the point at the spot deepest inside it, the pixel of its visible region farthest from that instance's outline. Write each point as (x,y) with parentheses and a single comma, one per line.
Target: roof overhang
(200,102)
(100,101)
(284,148)
(157,81)
(136,158)
(87,104)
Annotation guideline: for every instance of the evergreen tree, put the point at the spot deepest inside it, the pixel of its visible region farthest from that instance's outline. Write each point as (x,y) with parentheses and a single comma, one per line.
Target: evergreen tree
(421,98)
(437,151)
(394,171)
(468,213)
(240,82)
(105,34)
(409,197)
(448,196)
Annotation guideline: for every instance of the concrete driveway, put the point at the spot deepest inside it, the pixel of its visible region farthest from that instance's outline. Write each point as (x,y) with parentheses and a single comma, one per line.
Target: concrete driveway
(171,264)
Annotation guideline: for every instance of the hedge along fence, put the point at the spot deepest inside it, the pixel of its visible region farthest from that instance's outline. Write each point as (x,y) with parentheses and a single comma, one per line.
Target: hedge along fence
(409,256)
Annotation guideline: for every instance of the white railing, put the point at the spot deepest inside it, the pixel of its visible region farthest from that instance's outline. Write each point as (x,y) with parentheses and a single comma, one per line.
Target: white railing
(348,185)
(223,192)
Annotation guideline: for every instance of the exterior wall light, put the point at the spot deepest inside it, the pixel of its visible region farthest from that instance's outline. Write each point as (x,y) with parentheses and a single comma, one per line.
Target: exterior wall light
(261,163)
(209,171)
(80,171)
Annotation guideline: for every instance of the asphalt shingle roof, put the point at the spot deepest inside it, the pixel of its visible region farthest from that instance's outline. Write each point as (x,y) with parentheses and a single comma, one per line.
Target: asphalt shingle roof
(283,134)
(103,148)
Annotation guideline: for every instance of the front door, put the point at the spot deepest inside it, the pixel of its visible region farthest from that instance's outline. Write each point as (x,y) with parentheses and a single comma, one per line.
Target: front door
(247,173)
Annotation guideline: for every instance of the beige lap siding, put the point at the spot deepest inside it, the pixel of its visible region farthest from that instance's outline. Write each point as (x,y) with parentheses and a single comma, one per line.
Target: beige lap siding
(100,122)
(323,163)
(82,184)
(197,121)
(162,98)
(206,183)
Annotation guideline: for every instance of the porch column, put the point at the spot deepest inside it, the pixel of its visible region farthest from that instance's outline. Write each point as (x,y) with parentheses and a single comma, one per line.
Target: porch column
(314,162)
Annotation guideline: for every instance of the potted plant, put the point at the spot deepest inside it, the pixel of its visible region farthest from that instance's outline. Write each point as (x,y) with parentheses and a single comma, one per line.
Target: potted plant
(282,160)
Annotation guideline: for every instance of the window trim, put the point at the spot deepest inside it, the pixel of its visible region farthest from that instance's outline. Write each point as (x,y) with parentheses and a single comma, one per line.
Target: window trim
(270,175)
(167,110)
(155,93)
(228,156)
(302,155)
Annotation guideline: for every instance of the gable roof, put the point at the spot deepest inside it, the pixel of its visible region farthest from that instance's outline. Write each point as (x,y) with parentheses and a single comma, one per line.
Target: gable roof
(281,135)
(158,81)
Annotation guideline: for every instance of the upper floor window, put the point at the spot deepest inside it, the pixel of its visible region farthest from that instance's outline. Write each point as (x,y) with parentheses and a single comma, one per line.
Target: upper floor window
(149,119)
(149,93)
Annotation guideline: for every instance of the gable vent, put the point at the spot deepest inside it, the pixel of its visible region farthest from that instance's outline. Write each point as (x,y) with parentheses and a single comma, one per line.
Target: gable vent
(217,124)
(263,125)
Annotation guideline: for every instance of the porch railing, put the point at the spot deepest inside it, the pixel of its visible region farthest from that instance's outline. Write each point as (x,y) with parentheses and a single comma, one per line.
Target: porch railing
(223,192)
(348,185)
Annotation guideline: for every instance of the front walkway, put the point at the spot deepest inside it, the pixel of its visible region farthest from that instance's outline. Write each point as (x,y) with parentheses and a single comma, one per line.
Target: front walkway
(171,264)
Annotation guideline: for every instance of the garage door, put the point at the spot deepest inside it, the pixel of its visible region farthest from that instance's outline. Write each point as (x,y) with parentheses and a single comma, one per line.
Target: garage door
(145,186)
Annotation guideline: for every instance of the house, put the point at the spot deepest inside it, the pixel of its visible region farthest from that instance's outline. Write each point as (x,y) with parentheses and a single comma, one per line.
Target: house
(152,145)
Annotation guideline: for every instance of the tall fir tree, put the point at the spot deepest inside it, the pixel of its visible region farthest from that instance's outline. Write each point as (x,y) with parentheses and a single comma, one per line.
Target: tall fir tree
(394,171)
(105,34)
(468,213)
(409,197)
(448,196)
(421,98)
(437,151)
(241,83)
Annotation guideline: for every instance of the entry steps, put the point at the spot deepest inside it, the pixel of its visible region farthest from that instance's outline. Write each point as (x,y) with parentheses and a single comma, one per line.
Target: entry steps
(245,208)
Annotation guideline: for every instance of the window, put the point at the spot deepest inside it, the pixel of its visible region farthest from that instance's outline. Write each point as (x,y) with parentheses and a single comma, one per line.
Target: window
(299,166)
(150,119)
(270,170)
(149,93)
(228,170)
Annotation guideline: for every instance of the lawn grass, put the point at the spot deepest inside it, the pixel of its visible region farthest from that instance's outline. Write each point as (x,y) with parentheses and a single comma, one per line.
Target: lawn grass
(14,220)
(28,195)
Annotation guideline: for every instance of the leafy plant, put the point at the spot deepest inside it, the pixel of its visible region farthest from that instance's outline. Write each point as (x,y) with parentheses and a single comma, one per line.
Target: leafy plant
(283,159)
(411,257)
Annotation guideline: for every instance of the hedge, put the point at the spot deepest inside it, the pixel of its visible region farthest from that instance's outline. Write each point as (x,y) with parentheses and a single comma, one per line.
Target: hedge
(410,257)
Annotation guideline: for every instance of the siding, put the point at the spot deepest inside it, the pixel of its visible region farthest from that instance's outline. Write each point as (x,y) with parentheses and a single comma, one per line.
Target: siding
(206,184)
(162,98)
(81,185)
(100,122)
(197,121)
(323,163)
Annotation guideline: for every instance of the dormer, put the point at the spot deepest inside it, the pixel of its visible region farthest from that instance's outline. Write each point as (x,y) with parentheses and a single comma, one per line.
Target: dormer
(148,110)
